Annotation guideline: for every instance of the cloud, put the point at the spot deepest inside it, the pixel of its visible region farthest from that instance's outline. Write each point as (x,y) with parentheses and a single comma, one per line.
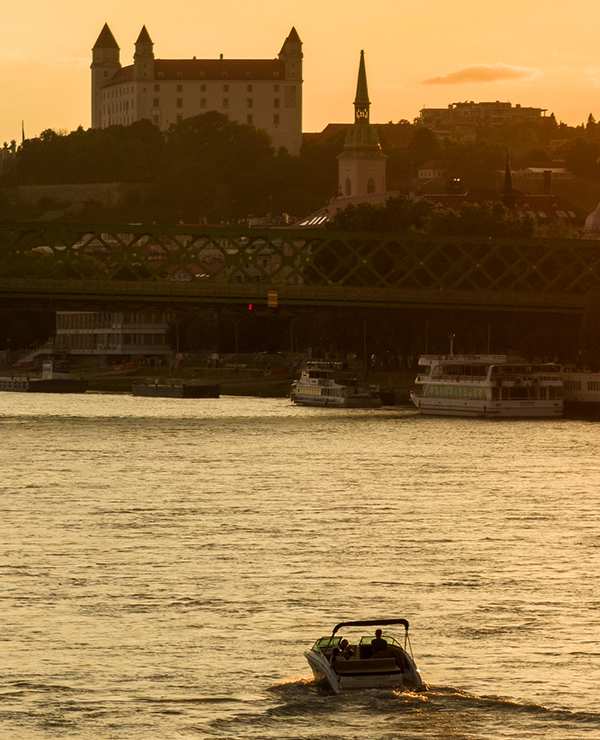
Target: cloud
(481,73)
(69,62)
(11,55)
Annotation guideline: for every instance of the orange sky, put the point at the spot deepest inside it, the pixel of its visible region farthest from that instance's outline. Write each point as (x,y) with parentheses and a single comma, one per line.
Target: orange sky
(541,53)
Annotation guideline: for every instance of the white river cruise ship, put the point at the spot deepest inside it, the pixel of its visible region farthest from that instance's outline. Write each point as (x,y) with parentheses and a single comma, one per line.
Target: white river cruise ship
(487,386)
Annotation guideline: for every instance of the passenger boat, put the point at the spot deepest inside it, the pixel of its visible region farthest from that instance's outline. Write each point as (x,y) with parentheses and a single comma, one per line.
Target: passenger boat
(581,395)
(367,666)
(487,386)
(317,387)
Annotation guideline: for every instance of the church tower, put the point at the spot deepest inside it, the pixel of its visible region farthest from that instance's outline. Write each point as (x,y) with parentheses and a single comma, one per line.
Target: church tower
(105,62)
(361,166)
(143,59)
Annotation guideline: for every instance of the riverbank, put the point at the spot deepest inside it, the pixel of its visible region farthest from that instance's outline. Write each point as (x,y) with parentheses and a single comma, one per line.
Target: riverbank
(232,381)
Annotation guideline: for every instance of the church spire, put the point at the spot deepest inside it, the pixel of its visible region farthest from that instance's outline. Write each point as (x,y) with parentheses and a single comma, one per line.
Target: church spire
(508,191)
(361,102)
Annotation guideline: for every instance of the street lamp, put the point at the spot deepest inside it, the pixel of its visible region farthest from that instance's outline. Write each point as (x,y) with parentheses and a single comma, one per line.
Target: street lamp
(177,322)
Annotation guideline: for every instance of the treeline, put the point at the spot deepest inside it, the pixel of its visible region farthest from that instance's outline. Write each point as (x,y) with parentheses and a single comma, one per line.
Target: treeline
(208,168)
(404,214)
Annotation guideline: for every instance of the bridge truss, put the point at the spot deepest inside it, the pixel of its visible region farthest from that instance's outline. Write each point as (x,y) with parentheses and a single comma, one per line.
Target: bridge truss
(85,266)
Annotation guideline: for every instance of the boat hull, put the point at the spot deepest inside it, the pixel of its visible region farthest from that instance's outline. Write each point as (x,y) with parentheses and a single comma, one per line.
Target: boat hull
(354,679)
(176,391)
(43,385)
(347,402)
(483,410)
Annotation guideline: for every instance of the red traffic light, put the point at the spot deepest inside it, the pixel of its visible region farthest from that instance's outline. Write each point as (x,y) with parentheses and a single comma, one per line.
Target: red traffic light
(249,307)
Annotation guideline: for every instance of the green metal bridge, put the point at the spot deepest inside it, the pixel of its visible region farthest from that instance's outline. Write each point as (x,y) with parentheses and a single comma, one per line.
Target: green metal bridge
(91,266)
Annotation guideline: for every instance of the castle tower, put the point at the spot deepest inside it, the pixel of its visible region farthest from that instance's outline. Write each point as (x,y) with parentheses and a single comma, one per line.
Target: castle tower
(143,59)
(291,53)
(361,166)
(290,119)
(105,63)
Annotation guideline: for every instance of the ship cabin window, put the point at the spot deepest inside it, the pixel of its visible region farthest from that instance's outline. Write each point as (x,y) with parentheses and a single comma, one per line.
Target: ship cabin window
(460,371)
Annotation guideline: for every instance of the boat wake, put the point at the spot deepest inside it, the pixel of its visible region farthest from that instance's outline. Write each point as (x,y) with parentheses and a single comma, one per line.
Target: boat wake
(435,699)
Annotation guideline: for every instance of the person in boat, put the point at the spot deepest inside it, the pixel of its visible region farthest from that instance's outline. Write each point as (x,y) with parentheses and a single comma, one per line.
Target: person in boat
(345,649)
(335,657)
(378,643)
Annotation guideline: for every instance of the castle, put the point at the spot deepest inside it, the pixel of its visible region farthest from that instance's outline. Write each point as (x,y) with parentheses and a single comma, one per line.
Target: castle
(265,93)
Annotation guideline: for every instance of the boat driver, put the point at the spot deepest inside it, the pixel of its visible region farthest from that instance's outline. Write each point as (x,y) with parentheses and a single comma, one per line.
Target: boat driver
(378,643)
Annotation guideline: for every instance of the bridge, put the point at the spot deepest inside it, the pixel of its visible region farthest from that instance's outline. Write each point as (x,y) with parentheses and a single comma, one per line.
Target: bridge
(91,267)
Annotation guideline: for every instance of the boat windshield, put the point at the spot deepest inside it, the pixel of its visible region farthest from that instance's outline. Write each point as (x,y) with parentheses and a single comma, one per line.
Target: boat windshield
(324,642)
(390,640)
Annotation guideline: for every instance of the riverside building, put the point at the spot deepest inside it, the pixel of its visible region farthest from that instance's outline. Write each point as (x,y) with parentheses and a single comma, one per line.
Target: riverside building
(265,93)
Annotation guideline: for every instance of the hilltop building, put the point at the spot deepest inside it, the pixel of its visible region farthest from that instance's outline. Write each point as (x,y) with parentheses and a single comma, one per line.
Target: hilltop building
(462,120)
(266,93)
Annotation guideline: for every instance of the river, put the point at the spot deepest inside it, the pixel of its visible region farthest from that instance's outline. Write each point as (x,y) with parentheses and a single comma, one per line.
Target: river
(166,562)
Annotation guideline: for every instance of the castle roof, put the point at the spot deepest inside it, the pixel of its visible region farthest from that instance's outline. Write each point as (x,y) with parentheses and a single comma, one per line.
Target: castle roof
(105,40)
(209,69)
(144,37)
(293,36)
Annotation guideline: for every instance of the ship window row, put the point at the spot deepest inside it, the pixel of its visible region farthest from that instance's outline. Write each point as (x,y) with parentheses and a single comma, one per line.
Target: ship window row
(12,384)
(468,371)
(451,391)
(317,390)
(577,385)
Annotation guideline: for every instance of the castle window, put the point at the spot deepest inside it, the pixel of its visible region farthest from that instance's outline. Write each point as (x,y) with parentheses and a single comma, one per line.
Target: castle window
(275,74)
(276,120)
(156,119)
(161,74)
(250,88)
(179,88)
(179,74)
(250,119)
(202,74)
(156,88)
(202,88)
(250,103)
(248,74)
(348,186)
(156,103)
(203,102)
(180,102)
(276,103)
(225,102)
(276,88)
(179,119)
(225,88)
(225,74)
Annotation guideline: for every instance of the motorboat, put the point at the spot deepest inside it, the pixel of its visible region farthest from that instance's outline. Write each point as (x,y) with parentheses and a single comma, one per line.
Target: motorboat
(487,386)
(317,387)
(368,662)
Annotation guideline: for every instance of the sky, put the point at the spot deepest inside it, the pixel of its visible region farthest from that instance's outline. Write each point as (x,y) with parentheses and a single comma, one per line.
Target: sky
(540,53)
